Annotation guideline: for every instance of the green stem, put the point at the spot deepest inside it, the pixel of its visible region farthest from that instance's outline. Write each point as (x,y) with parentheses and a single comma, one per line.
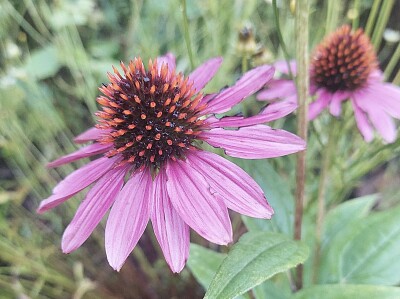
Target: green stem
(187,35)
(381,23)
(372,17)
(303,82)
(280,37)
(356,19)
(333,15)
(326,163)
(393,62)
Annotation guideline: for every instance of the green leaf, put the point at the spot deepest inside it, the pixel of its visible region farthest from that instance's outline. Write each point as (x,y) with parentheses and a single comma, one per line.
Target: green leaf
(344,214)
(43,63)
(348,292)
(278,195)
(204,263)
(256,257)
(366,251)
(269,289)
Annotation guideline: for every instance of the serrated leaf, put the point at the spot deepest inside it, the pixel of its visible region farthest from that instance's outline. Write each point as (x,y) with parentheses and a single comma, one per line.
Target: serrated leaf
(348,292)
(256,257)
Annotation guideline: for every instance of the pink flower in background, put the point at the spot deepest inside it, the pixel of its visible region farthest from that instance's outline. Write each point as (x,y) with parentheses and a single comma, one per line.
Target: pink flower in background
(152,168)
(344,66)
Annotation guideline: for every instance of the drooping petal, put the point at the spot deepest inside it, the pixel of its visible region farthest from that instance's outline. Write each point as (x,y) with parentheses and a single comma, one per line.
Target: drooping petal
(87,151)
(383,123)
(277,89)
(362,121)
(387,95)
(205,72)
(171,231)
(128,218)
(239,191)
(336,102)
(90,135)
(90,212)
(272,112)
(193,199)
(248,84)
(254,142)
(77,181)
(168,59)
(320,103)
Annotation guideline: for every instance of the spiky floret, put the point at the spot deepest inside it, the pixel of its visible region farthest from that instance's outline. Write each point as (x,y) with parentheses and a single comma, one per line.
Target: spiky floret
(343,61)
(151,115)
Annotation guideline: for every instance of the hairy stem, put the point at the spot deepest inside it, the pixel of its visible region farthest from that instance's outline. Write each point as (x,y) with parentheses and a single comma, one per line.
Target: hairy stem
(303,82)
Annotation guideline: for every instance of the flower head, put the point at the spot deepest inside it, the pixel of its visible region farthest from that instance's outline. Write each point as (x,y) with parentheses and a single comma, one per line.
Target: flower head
(151,166)
(344,67)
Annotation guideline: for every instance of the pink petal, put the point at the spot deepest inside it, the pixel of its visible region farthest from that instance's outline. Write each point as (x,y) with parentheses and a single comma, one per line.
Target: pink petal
(205,72)
(281,66)
(387,95)
(90,134)
(382,121)
(254,142)
(248,84)
(77,181)
(320,103)
(272,112)
(277,89)
(128,218)
(239,191)
(195,202)
(97,202)
(362,121)
(169,60)
(336,102)
(171,231)
(87,151)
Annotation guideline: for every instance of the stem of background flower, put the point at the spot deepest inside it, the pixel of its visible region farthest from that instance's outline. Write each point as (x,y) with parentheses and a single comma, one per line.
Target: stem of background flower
(372,17)
(332,15)
(303,82)
(186,32)
(356,19)
(383,19)
(280,37)
(326,163)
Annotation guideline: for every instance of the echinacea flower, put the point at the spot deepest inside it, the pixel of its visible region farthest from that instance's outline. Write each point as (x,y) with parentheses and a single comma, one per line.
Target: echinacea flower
(151,166)
(344,66)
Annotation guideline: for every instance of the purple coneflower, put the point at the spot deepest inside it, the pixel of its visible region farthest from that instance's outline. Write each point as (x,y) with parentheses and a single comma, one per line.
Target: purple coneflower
(344,66)
(151,166)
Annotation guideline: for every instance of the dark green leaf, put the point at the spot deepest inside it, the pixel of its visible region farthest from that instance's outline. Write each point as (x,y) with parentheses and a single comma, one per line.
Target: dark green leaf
(256,257)
(348,292)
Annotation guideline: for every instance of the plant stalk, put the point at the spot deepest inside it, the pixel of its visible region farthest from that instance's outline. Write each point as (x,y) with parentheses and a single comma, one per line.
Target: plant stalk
(186,32)
(303,82)
(323,183)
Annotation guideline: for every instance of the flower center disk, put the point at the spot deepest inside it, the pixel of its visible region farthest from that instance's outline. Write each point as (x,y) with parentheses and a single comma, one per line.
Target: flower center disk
(152,115)
(343,61)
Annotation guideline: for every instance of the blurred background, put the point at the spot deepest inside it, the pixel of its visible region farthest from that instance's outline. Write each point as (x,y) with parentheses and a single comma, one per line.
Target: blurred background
(53,57)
